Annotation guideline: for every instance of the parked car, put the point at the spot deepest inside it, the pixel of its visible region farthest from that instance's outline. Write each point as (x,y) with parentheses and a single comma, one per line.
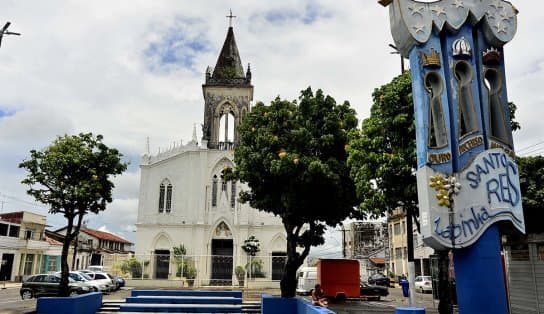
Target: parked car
(373,290)
(379,280)
(46,284)
(306,280)
(84,278)
(103,278)
(423,284)
(120,282)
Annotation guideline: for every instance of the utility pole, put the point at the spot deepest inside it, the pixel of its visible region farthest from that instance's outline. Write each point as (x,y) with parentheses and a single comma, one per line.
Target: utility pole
(4,31)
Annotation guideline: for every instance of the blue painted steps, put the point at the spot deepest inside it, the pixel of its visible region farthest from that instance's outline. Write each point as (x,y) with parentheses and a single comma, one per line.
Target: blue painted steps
(182,301)
(181,308)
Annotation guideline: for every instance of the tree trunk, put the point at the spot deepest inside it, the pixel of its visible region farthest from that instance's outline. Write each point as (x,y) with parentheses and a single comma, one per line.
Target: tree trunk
(75,254)
(64,290)
(288,283)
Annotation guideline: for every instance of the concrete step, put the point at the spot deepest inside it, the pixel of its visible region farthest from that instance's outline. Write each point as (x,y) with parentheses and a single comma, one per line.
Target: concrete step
(181,308)
(184,300)
(209,293)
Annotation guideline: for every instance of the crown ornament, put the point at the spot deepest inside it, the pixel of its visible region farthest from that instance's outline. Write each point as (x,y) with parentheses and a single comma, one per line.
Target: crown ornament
(491,56)
(461,48)
(432,59)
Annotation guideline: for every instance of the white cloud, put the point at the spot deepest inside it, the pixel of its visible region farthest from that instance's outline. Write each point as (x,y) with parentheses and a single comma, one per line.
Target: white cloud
(82,66)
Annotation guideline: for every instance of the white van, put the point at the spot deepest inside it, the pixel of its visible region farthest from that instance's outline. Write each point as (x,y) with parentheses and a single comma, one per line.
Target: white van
(307,278)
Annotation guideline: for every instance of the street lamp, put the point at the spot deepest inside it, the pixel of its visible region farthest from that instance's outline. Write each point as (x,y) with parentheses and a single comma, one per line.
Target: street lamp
(5,31)
(397,52)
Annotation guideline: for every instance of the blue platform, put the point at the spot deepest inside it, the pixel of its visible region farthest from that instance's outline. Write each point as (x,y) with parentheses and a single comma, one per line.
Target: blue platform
(183,301)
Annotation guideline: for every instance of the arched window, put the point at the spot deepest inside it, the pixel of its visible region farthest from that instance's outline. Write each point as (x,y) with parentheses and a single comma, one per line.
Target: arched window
(161,198)
(214,191)
(169,198)
(223,184)
(165,197)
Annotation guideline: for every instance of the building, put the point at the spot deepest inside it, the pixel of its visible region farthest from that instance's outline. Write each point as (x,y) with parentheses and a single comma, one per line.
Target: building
(184,199)
(24,248)
(398,250)
(366,242)
(94,247)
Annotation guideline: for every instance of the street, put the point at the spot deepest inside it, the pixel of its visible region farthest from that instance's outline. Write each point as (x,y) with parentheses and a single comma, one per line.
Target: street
(11,302)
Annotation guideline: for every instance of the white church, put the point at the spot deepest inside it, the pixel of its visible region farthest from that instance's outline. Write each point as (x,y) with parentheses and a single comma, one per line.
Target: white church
(185,201)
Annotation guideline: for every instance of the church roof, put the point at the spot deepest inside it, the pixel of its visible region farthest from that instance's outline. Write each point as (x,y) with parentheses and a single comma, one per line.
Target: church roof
(229,64)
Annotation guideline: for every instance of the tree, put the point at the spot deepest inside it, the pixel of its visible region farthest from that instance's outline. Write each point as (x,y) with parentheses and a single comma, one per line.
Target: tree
(531,177)
(72,176)
(251,246)
(293,158)
(382,155)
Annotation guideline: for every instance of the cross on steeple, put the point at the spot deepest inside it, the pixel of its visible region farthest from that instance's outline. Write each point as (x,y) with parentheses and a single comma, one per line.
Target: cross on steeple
(230,17)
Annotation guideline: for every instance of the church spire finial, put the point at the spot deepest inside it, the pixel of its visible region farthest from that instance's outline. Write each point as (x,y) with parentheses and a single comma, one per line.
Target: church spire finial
(230,17)
(147,146)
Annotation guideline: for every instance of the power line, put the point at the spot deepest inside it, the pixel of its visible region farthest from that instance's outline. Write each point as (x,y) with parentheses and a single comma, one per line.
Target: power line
(532,152)
(13,198)
(530,146)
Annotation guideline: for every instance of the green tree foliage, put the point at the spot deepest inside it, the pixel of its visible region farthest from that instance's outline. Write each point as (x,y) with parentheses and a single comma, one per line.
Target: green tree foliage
(382,155)
(292,156)
(72,176)
(532,191)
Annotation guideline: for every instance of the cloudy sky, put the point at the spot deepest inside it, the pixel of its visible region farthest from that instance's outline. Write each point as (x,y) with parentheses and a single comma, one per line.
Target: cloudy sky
(132,69)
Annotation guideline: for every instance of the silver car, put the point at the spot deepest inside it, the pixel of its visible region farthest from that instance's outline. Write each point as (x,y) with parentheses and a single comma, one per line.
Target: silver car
(95,285)
(102,278)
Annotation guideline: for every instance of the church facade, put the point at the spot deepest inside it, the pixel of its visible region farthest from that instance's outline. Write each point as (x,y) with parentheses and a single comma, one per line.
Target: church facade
(185,201)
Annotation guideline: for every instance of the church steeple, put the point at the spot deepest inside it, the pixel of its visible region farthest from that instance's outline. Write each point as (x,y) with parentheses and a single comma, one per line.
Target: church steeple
(227,94)
(228,64)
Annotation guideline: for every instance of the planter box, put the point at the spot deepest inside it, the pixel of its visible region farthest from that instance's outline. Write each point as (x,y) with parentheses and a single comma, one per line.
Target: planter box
(273,305)
(88,303)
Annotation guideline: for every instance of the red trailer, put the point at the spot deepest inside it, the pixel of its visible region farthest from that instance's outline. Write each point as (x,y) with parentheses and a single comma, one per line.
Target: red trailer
(339,278)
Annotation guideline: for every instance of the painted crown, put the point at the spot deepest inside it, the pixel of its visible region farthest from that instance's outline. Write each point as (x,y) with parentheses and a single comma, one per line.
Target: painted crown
(491,56)
(431,59)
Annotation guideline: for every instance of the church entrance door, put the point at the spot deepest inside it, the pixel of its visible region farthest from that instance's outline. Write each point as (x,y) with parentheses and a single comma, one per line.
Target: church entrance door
(222,250)
(162,263)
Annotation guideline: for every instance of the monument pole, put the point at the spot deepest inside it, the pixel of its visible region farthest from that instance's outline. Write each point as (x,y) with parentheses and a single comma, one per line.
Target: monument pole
(468,181)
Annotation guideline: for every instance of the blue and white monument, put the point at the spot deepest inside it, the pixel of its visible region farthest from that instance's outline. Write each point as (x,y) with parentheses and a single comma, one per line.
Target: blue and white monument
(468,181)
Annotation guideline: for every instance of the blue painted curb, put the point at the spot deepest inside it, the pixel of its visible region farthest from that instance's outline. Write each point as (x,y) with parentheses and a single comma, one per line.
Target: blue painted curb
(184,300)
(409,310)
(234,294)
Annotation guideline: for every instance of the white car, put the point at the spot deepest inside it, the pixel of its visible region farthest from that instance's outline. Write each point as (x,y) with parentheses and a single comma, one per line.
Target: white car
(83,278)
(102,278)
(424,284)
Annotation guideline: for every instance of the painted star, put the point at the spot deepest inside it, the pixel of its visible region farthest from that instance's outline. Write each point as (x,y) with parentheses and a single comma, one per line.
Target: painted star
(506,16)
(438,10)
(419,28)
(501,28)
(490,15)
(496,4)
(415,9)
(458,4)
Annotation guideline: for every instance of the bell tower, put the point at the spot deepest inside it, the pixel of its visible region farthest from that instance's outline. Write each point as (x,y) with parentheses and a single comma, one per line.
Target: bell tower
(227,97)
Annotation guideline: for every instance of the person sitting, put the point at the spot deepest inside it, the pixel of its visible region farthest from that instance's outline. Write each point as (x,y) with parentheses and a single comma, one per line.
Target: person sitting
(317,297)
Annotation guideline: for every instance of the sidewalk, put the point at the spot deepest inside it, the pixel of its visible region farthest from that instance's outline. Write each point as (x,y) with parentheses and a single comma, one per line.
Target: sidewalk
(9,284)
